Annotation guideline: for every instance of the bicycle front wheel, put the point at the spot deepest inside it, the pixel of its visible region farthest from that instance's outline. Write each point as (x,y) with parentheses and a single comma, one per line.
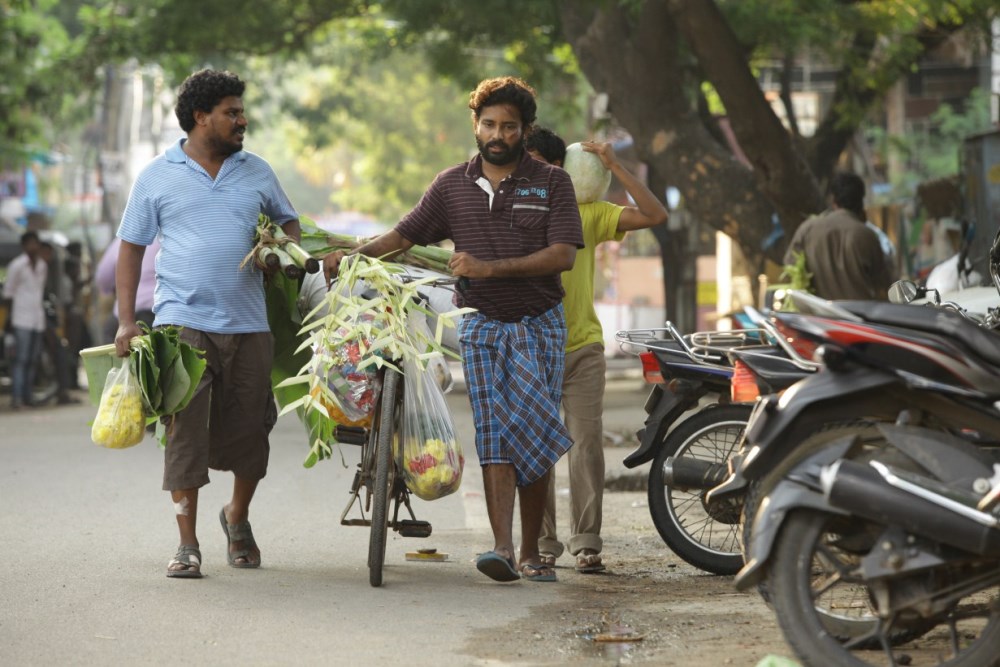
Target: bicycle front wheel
(385,471)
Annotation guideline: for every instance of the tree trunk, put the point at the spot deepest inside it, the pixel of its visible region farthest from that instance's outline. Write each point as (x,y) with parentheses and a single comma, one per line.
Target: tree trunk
(658,105)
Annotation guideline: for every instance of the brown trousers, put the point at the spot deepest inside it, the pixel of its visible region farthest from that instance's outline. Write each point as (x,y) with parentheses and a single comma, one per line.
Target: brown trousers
(226,424)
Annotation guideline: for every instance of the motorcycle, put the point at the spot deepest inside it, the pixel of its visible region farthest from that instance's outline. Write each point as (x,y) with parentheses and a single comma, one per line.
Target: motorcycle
(688,372)
(863,553)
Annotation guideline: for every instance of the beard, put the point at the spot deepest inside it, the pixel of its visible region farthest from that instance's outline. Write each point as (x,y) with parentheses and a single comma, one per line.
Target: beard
(227,145)
(506,156)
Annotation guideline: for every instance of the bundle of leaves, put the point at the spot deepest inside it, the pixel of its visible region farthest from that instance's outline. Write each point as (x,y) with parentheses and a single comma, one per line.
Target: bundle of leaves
(378,328)
(168,370)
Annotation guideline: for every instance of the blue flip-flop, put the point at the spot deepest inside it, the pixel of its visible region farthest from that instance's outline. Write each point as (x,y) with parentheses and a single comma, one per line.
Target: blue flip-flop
(538,569)
(496,567)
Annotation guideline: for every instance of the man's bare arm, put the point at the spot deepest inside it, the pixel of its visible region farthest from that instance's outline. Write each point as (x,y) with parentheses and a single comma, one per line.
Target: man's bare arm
(127,273)
(648,211)
(386,246)
(556,258)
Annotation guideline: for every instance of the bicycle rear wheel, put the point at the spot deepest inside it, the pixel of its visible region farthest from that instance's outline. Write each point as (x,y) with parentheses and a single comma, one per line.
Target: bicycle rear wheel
(385,471)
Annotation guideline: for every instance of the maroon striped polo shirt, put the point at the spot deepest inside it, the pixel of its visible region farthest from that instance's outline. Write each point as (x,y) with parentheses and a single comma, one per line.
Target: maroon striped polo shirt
(533,208)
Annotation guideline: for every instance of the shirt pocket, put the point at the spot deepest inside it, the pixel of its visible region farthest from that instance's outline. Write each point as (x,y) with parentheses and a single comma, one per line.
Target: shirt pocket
(531,222)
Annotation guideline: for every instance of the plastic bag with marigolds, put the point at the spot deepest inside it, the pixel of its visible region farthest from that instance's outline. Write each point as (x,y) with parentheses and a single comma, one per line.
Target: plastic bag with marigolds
(430,457)
(120,421)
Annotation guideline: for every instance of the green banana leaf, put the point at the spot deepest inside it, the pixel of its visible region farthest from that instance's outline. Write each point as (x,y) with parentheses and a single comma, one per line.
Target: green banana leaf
(194,365)
(283,317)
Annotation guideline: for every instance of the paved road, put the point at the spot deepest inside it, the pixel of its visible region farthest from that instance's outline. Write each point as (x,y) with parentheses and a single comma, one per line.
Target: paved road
(88,532)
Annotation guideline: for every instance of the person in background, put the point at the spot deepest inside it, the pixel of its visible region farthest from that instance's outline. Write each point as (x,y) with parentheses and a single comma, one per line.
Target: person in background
(75,316)
(105,279)
(584,378)
(843,255)
(516,227)
(202,198)
(25,287)
(58,294)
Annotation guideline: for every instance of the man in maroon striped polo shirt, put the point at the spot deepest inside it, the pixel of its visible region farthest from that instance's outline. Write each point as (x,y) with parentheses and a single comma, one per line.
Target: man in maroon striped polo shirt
(516,227)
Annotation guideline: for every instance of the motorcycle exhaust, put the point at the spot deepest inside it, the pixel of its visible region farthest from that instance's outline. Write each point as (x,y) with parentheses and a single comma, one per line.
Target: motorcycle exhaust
(876,493)
(686,473)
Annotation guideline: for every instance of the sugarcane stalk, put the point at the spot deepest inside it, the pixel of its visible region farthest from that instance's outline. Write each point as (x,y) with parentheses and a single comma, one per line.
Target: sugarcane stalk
(268,257)
(302,258)
(288,265)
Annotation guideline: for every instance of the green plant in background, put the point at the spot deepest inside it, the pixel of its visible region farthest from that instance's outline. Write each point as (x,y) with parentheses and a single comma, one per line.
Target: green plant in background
(798,274)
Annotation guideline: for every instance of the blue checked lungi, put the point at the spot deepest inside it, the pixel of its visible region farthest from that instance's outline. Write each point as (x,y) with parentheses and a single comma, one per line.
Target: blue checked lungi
(514,374)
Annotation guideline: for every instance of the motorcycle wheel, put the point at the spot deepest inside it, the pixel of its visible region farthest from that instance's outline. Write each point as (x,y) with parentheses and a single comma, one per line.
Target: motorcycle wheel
(705,535)
(807,560)
(848,612)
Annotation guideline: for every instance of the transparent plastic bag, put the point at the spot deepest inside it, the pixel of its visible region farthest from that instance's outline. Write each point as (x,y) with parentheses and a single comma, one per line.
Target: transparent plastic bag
(120,421)
(356,390)
(431,458)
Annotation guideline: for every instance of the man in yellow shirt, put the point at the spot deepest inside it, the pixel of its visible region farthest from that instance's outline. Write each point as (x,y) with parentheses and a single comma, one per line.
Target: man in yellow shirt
(584,378)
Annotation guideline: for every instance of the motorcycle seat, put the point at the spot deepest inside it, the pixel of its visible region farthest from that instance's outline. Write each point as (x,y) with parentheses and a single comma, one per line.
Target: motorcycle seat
(982,342)
(770,363)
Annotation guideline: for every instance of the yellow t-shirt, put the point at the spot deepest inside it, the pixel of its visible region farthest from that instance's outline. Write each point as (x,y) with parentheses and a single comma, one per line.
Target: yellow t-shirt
(600,224)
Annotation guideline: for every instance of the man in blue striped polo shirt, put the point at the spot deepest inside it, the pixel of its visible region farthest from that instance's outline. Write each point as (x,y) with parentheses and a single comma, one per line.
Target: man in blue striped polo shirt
(202,197)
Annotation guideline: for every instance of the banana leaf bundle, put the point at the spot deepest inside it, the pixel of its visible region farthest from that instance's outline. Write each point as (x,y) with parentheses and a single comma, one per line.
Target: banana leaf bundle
(168,370)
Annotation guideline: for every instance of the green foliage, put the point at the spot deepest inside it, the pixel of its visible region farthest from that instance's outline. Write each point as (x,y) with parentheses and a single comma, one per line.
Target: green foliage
(934,150)
(373,131)
(35,51)
(875,42)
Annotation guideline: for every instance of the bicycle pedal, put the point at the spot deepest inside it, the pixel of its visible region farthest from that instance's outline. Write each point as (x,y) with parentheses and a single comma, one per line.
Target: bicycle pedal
(350,435)
(411,528)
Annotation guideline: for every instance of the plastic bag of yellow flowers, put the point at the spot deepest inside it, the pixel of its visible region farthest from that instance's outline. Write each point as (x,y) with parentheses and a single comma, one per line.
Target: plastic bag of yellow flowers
(431,458)
(120,421)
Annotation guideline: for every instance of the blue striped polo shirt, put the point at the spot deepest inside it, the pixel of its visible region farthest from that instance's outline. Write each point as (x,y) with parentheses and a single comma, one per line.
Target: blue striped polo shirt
(206,227)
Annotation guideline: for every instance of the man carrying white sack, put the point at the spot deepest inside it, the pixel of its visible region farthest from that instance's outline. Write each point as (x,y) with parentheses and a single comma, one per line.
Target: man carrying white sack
(584,378)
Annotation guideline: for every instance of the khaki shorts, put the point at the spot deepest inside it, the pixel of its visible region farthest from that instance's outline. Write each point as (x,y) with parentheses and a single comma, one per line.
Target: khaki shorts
(227,422)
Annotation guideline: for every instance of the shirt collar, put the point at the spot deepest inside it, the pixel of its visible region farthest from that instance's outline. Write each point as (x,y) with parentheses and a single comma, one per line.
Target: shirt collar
(176,153)
(525,168)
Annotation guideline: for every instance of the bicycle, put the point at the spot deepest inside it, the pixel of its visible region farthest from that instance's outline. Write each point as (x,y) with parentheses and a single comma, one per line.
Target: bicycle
(378,485)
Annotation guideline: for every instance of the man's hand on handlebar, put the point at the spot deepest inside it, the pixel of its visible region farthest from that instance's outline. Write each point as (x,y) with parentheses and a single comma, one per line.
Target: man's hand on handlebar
(464,264)
(331,265)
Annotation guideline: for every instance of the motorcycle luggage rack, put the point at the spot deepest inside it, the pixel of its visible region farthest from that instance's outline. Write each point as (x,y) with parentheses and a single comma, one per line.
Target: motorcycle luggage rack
(708,348)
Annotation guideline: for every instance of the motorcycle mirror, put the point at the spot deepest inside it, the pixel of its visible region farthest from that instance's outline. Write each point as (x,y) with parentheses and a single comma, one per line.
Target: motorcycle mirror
(905,291)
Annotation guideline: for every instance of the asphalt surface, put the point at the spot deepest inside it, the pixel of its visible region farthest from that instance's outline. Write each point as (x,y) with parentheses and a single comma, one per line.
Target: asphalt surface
(88,533)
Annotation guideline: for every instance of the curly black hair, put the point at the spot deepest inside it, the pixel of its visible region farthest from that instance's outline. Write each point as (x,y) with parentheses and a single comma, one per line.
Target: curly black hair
(202,91)
(548,144)
(848,191)
(504,90)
